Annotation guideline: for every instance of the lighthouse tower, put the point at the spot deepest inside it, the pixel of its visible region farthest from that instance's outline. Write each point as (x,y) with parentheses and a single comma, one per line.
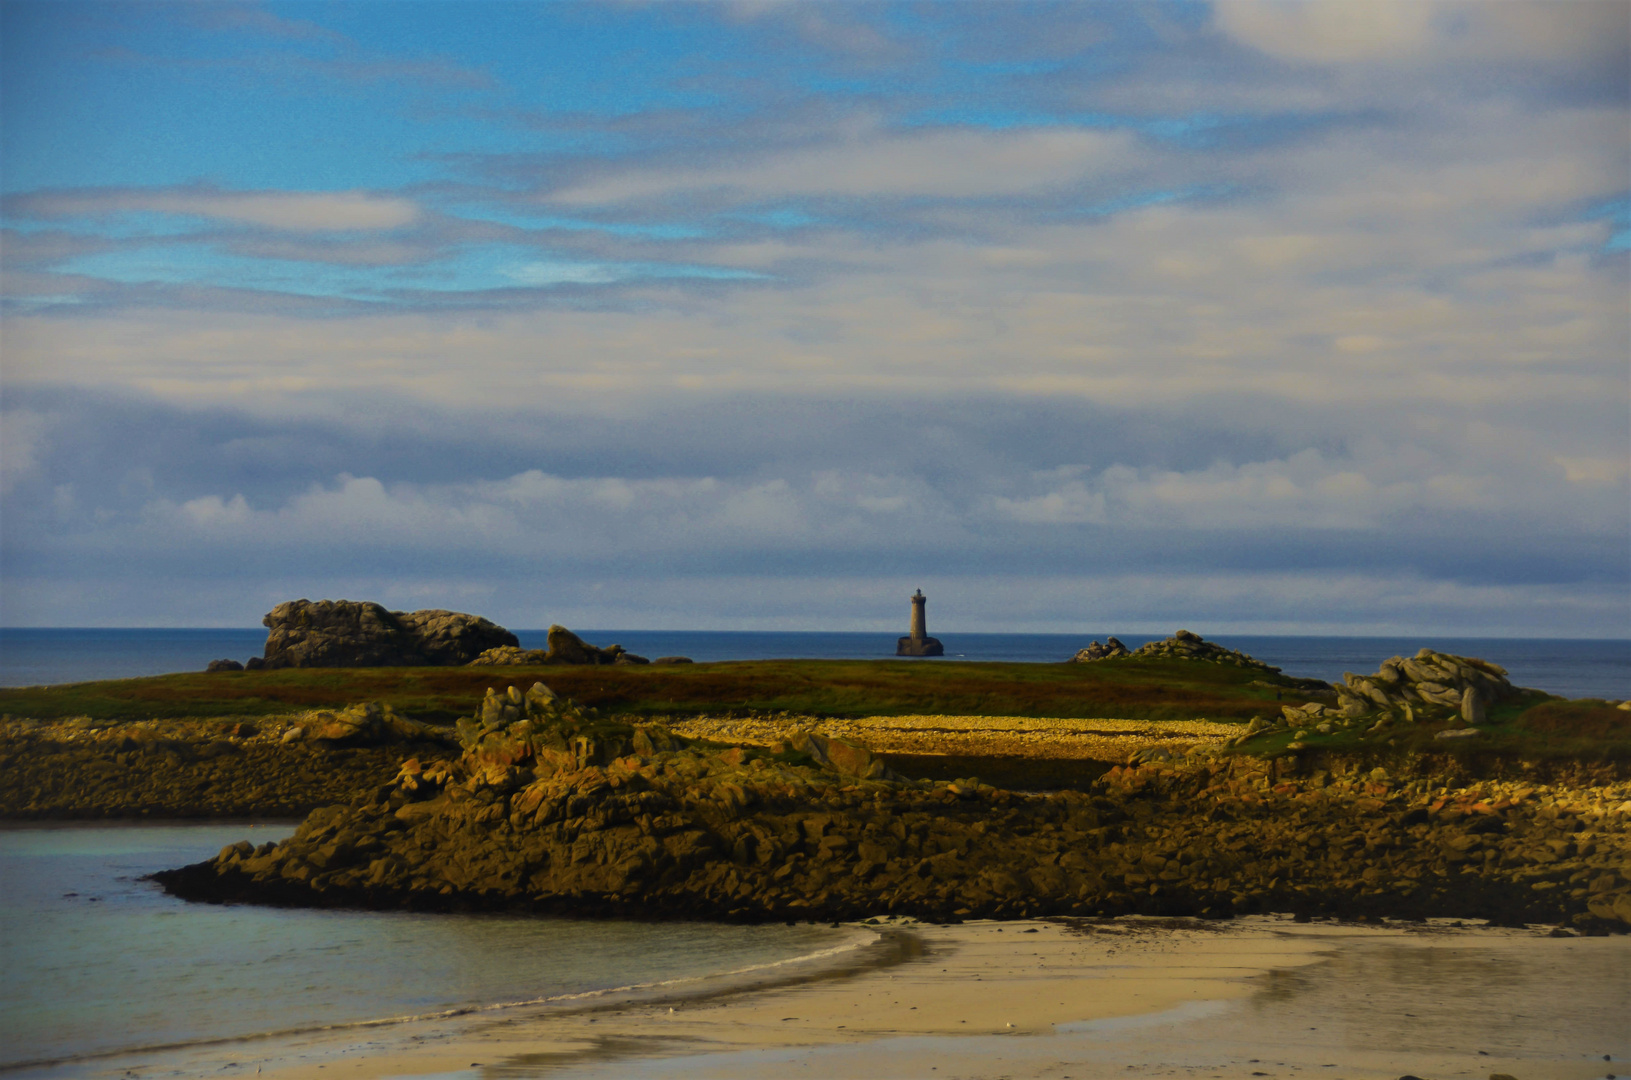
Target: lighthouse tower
(919,643)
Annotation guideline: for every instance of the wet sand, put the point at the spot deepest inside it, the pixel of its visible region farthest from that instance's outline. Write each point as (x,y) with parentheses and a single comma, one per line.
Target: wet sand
(1131,997)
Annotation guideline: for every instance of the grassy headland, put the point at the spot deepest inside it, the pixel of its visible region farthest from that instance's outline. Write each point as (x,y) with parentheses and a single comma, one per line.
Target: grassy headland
(1128,689)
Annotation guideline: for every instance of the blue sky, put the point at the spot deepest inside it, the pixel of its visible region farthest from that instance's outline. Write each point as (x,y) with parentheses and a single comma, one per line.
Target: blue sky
(1247,316)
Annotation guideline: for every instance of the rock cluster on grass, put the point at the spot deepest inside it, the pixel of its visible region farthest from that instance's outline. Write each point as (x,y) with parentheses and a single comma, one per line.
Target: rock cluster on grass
(1183,645)
(1187,646)
(1431,683)
(565,647)
(552,808)
(1111,649)
(1432,687)
(350,633)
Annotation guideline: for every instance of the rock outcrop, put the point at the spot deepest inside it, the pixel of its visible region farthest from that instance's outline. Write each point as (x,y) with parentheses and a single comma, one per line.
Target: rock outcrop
(511,656)
(349,633)
(223,665)
(565,647)
(1430,688)
(1431,684)
(1185,645)
(1110,650)
(552,808)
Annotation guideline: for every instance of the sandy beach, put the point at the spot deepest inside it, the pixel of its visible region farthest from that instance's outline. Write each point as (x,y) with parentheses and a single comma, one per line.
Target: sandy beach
(1252,997)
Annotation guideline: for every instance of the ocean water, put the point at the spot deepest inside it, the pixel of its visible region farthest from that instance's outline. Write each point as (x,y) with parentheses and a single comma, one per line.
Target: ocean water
(1570,668)
(98,961)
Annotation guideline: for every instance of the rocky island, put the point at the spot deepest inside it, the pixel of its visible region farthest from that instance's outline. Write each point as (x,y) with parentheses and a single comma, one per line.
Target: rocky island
(551,807)
(582,782)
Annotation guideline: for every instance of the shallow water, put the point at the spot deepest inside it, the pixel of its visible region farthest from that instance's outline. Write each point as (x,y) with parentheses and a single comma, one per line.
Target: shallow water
(98,960)
(1597,668)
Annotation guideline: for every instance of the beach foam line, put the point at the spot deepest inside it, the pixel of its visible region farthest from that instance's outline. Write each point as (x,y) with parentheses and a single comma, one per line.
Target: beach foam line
(695,983)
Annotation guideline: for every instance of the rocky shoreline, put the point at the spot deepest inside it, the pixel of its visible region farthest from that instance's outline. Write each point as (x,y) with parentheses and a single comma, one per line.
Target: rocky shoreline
(550,808)
(83,769)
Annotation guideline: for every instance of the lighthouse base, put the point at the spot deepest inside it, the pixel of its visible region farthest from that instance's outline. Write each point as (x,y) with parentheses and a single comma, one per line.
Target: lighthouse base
(923,646)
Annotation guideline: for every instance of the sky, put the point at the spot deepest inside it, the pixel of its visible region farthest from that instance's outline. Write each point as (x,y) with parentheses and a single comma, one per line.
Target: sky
(1246,317)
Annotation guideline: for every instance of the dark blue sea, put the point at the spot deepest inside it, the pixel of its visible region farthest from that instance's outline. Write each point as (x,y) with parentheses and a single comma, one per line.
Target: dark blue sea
(1570,668)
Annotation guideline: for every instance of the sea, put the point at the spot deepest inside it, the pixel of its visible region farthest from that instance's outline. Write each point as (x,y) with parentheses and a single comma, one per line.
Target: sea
(98,967)
(101,966)
(1574,668)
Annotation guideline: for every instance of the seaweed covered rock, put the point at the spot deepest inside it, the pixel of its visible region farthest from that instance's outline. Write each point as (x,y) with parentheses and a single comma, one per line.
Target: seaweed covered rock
(366,724)
(199,768)
(349,633)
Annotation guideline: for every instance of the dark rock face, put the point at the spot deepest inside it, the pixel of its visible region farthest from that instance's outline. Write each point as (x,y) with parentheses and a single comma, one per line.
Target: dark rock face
(565,647)
(224,665)
(923,646)
(551,808)
(349,633)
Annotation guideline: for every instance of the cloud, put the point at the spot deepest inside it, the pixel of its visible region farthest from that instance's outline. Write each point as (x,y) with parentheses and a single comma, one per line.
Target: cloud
(22,434)
(1329,30)
(292,211)
(250,18)
(367,498)
(943,164)
(1385,31)
(1311,314)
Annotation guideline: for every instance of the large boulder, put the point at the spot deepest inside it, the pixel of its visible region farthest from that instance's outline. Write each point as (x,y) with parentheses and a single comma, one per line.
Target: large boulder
(1429,685)
(351,633)
(565,647)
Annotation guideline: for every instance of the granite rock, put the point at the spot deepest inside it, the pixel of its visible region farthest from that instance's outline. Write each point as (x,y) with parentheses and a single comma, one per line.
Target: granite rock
(348,633)
(1111,649)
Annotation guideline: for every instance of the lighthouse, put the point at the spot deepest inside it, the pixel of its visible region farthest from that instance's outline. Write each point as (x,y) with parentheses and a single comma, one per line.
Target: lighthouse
(918,642)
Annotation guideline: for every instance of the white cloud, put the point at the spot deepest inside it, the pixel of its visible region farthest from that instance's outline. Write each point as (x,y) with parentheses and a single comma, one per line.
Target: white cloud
(1372,31)
(22,435)
(1329,30)
(945,164)
(1593,470)
(1372,491)
(293,211)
